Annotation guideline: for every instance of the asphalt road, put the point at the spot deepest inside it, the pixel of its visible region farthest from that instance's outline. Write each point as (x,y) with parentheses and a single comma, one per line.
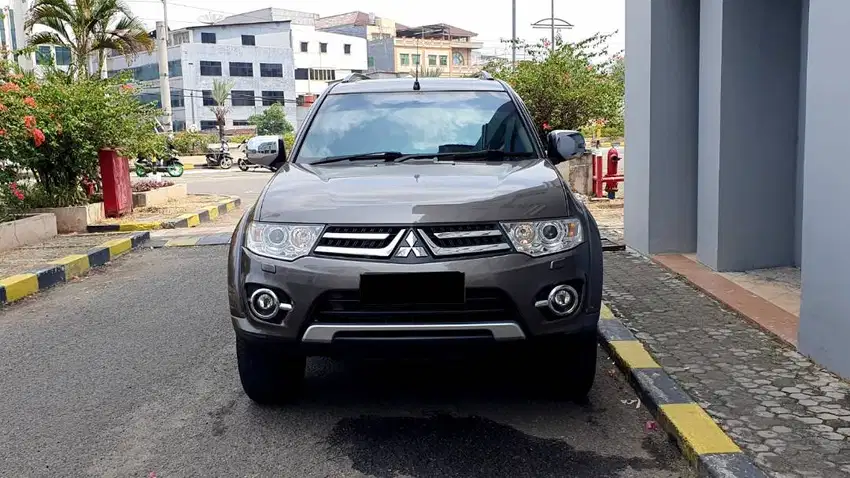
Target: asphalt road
(131,371)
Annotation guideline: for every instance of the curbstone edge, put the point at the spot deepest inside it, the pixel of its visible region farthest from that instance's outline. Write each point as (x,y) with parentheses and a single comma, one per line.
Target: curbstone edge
(703,443)
(66,268)
(186,220)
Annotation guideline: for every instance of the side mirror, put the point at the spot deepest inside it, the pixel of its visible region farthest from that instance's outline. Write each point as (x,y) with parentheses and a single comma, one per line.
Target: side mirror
(564,145)
(282,146)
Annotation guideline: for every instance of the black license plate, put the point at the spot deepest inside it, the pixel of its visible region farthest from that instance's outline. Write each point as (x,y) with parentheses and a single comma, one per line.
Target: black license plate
(413,288)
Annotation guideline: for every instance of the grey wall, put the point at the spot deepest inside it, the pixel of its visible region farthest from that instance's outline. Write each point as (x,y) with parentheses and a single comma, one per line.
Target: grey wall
(358,31)
(662,39)
(748,114)
(801,135)
(824,318)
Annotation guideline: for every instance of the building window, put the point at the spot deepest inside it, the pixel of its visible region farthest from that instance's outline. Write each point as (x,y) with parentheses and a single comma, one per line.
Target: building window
(146,72)
(272,97)
(44,55)
(177,100)
(322,74)
(242,98)
(241,69)
(63,55)
(208,99)
(240,122)
(207,37)
(457,58)
(432,60)
(370,62)
(271,70)
(303,47)
(416,59)
(323,47)
(249,40)
(210,68)
(444,60)
(178,125)
(12,29)
(208,125)
(175,69)
(346,49)
(301,74)
(405,59)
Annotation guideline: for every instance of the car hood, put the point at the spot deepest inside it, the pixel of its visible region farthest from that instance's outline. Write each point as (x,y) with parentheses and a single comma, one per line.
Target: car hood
(413,192)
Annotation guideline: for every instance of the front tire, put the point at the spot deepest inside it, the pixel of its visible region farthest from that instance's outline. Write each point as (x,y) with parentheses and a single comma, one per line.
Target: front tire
(269,376)
(175,169)
(226,162)
(141,171)
(576,356)
(243,165)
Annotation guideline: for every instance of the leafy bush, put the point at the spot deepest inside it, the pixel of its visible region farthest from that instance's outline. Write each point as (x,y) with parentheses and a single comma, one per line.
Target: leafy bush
(55,127)
(271,121)
(187,142)
(150,185)
(238,138)
(289,141)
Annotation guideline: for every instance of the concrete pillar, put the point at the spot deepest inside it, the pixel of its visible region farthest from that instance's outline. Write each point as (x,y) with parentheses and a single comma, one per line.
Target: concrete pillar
(748,112)
(662,41)
(825,308)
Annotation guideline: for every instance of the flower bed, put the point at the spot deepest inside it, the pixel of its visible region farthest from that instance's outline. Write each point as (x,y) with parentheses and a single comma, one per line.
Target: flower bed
(158,196)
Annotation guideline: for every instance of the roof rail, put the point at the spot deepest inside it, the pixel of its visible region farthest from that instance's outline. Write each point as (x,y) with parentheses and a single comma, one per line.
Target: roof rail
(355,77)
(483,75)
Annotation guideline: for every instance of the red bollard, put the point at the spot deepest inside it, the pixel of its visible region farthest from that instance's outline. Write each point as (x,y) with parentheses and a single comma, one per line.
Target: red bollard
(613,160)
(597,176)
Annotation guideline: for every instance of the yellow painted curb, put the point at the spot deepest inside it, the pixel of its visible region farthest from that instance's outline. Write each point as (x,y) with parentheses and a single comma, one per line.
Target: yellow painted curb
(74,265)
(696,430)
(118,246)
(213,212)
(605,313)
(139,226)
(230,205)
(19,286)
(192,219)
(183,241)
(188,166)
(632,353)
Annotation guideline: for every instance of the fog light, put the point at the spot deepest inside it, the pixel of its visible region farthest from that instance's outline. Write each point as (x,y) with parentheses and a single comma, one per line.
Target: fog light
(562,300)
(264,304)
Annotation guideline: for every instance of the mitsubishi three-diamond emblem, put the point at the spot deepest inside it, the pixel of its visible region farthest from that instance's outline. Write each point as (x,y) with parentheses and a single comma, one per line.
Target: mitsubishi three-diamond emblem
(409,246)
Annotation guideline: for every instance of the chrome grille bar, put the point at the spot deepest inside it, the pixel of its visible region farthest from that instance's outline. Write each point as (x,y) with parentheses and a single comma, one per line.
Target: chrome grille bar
(385,251)
(465,234)
(363,236)
(462,250)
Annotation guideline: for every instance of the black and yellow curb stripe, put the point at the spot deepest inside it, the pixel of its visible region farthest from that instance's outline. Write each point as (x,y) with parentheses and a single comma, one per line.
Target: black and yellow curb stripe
(704,444)
(61,270)
(219,239)
(186,220)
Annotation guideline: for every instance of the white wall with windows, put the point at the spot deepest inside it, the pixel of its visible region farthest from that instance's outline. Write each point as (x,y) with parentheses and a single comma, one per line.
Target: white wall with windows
(321,57)
(256,58)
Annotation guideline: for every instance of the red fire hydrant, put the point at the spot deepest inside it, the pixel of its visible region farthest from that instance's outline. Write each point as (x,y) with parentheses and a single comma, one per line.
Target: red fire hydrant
(613,160)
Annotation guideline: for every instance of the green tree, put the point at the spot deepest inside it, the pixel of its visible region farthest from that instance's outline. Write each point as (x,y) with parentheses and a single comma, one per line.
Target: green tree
(271,121)
(88,27)
(220,92)
(568,88)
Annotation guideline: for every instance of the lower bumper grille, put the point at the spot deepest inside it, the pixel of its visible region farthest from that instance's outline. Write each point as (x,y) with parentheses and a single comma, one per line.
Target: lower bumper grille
(482,305)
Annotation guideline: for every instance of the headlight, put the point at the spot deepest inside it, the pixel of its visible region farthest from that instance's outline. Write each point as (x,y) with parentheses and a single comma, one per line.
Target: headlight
(539,238)
(282,241)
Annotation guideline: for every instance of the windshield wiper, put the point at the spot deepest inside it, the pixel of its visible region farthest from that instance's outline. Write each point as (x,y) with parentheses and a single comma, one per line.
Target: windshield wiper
(486,154)
(385,155)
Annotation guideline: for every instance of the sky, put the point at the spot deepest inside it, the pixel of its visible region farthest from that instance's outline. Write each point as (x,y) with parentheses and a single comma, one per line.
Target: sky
(490,19)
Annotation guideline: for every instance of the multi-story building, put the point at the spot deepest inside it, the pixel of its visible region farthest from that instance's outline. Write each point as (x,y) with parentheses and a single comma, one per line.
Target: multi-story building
(12,32)
(321,57)
(391,46)
(255,57)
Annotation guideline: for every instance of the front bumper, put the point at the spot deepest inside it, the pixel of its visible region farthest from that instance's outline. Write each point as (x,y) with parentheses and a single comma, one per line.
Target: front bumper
(517,280)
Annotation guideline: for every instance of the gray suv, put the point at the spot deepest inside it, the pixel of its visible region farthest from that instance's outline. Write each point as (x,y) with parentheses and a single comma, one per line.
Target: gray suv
(417,216)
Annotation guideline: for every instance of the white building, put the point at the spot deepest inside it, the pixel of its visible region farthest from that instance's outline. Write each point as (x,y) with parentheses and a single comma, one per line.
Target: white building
(12,31)
(256,57)
(321,57)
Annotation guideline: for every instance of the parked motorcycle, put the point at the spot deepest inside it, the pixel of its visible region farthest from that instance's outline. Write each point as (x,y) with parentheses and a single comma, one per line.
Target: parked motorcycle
(170,165)
(263,152)
(220,158)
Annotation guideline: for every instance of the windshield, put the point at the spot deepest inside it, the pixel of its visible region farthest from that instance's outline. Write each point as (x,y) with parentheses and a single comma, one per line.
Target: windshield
(414,123)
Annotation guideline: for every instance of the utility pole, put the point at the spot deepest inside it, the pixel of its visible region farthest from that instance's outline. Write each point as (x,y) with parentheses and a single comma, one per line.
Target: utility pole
(553,25)
(165,20)
(164,86)
(513,34)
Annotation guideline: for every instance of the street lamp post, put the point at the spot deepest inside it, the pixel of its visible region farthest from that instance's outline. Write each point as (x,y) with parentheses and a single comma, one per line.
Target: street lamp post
(552,23)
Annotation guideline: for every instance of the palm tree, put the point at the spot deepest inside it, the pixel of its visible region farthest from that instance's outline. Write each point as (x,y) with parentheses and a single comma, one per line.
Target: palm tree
(220,92)
(87,27)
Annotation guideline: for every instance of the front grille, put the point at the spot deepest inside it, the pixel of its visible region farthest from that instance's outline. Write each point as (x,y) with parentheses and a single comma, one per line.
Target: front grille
(363,241)
(481,305)
(464,239)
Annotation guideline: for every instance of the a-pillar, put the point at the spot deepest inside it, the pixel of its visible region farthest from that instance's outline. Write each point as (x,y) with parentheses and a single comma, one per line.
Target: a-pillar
(749,90)
(662,66)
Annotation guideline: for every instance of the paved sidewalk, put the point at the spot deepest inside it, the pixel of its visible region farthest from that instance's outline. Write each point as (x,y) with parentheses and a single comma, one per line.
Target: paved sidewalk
(786,412)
